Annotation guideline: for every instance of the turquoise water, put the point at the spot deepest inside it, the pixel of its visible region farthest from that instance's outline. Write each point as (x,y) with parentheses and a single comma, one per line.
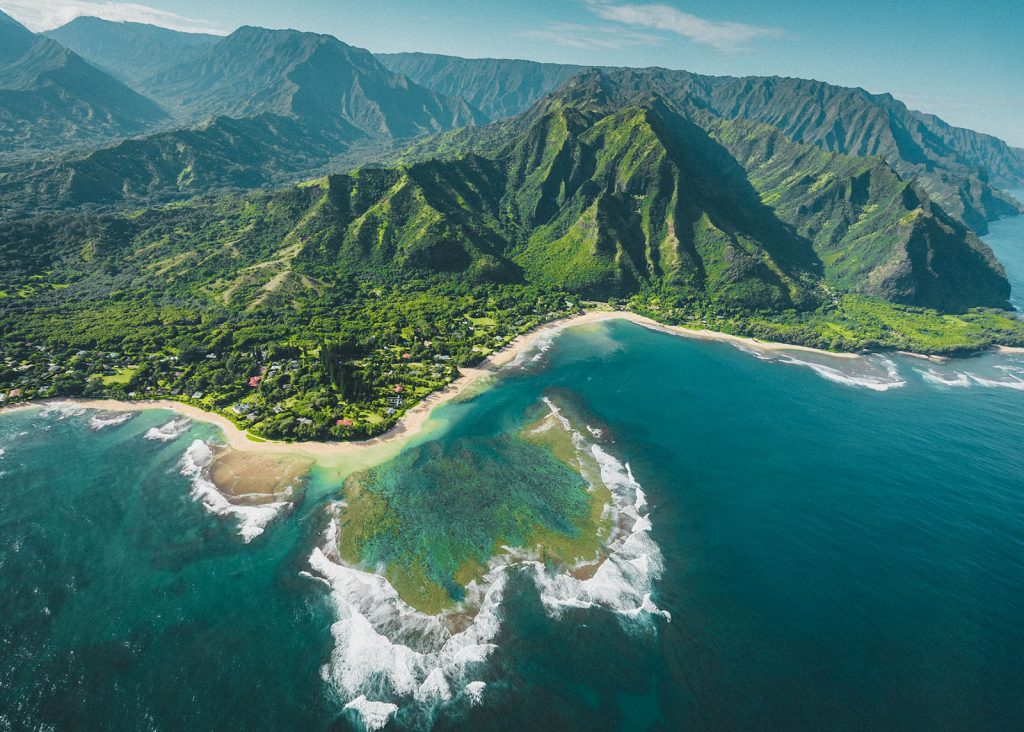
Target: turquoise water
(841,545)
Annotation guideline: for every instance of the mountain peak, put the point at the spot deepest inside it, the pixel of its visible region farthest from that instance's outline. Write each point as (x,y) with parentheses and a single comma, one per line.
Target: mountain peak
(7,20)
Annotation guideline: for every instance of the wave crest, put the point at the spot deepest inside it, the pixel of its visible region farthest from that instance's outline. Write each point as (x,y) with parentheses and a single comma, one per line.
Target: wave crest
(252,520)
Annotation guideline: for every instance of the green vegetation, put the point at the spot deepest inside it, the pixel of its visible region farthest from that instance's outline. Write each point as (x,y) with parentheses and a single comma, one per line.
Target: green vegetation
(329,308)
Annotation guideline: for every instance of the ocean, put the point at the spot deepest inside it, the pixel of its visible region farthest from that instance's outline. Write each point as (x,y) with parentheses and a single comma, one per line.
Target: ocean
(816,542)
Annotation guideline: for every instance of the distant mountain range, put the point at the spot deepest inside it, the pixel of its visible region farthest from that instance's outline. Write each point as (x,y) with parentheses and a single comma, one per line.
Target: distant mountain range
(756,194)
(604,192)
(254,108)
(50,97)
(132,52)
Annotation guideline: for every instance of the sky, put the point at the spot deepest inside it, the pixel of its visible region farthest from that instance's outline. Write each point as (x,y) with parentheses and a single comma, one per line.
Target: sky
(960,59)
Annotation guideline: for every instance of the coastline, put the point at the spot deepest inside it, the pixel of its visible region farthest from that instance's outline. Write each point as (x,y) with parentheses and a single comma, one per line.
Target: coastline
(413,421)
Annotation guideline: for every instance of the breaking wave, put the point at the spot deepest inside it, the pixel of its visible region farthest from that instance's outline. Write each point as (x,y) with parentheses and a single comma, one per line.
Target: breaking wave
(390,658)
(891,380)
(109,419)
(252,520)
(170,431)
(1010,376)
(63,410)
(536,350)
(938,378)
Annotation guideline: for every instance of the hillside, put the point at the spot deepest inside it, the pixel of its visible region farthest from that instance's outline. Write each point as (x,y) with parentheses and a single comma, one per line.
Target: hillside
(498,87)
(960,168)
(327,309)
(309,76)
(256,108)
(222,153)
(52,98)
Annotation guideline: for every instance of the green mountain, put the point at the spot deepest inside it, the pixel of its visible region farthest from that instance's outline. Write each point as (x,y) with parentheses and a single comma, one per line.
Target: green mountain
(608,196)
(51,98)
(726,208)
(223,153)
(309,76)
(132,52)
(286,105)
(345,292)
(960,168)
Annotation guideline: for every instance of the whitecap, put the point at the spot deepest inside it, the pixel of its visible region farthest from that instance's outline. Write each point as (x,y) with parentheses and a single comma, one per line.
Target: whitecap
(385,649)
(475,692)
(252,520)
(892,379)
(108,419)
(63,410)
(757,353)
(373,714)
(1010,382)
(937,378)
(170,431)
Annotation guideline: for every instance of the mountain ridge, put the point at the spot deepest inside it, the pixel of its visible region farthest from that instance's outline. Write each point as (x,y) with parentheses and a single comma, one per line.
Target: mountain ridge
(950,161)
(50,97)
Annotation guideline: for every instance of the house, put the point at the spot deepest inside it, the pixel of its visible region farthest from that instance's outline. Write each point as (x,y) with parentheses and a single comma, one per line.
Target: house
(343,422)
(305,421)
(198,395)
(241,408)
(254,381)
(406,356)
(399,388)
(14,393)
(394,401)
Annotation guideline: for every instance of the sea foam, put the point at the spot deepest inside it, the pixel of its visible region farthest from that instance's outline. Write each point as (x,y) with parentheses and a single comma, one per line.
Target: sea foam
(891,380)
(938,378)
(374,715)
(252,520)
(388,653)
(109,419)
(170,431)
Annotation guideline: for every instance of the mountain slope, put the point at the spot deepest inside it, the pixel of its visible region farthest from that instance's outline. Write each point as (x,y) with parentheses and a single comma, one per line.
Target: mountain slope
(498,87)
(618,189)
(285,104)
(222,153)
(959,167)
(312,77)
(131,52)
(599,190)
(50,97)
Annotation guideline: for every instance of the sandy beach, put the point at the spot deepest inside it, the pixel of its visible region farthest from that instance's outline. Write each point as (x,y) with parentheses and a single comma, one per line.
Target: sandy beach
(414,420)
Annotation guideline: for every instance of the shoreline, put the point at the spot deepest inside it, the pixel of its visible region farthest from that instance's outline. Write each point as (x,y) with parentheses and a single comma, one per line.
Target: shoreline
(414,420)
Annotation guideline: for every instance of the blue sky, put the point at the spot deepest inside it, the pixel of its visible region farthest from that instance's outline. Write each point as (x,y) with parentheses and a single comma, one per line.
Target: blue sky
(961,60)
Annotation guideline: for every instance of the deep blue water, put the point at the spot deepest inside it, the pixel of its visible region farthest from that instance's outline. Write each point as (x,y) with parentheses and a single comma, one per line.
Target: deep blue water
(1006,237)
(835,556)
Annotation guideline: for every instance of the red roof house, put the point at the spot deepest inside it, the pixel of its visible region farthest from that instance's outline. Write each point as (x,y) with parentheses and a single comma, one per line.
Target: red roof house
(254,381)
(344,422)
